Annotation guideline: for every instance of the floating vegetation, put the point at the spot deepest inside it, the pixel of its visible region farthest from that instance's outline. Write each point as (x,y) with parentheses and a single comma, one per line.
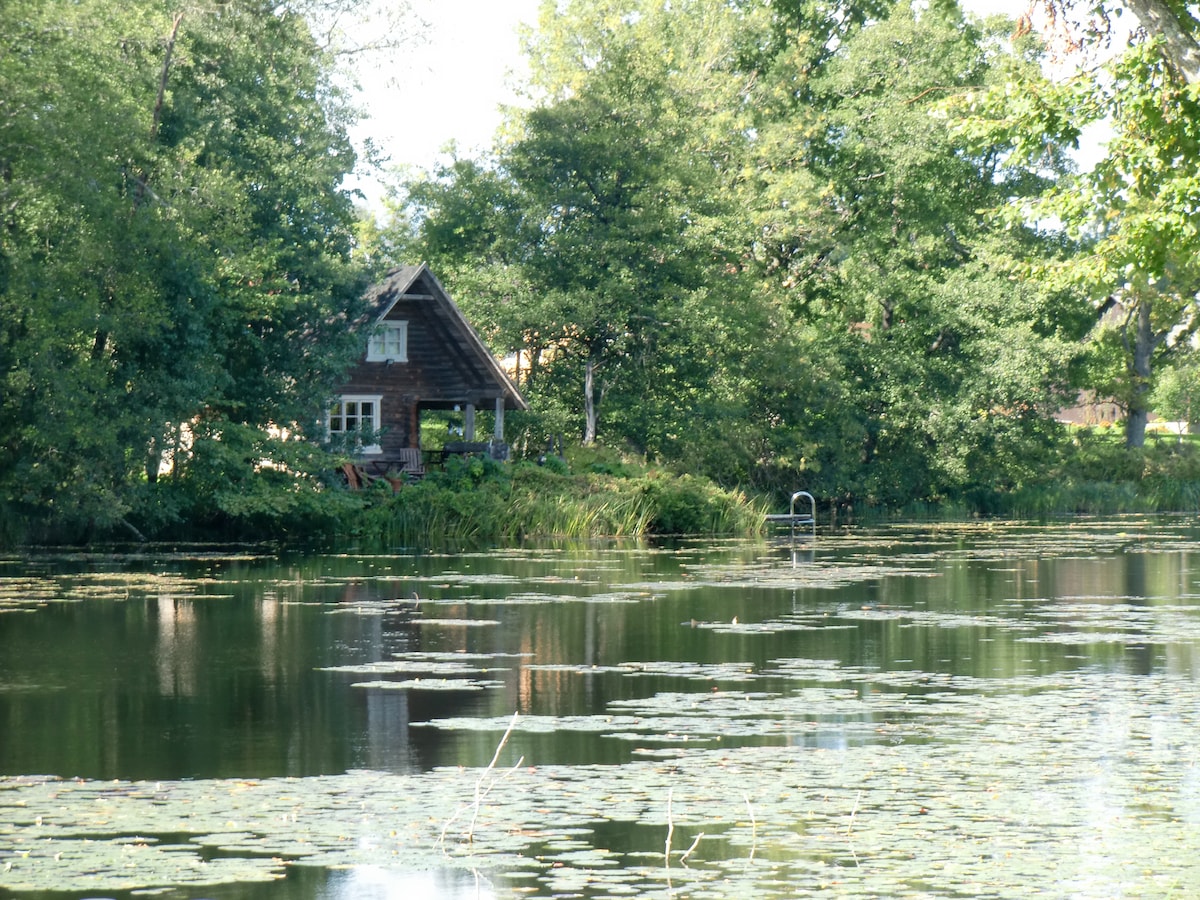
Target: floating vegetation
(410,666)
(20,594)
(772,626)
(371,608)
(537,598)
(429,684)
(457,623)
(576,669)
(769,573)
(1114,789)
(982,710)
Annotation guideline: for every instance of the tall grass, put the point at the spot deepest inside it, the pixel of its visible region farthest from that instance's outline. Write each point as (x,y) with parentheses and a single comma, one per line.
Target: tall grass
(496,504)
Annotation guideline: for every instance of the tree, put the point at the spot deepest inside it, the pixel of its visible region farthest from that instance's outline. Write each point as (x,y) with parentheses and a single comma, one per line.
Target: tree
(591,236)
(755,229)
(955,369)
(176,241)
(1138,209)
(1172,24)
(1177,391)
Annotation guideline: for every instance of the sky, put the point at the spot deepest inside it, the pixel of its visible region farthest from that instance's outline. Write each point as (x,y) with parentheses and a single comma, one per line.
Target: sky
(449,87)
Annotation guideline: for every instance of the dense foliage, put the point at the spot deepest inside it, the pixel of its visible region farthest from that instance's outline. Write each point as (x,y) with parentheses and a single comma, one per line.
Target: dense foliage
(745,239)
(175,257)
(1136,213)
(840,247)
(476,501)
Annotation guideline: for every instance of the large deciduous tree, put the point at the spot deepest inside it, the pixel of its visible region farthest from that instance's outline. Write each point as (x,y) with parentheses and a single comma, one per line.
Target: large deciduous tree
(1138,209)
(603,214)
(870,211)
(175,247)
(753,225)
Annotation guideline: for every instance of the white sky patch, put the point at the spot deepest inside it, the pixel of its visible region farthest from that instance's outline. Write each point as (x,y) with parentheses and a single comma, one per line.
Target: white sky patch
(448,87)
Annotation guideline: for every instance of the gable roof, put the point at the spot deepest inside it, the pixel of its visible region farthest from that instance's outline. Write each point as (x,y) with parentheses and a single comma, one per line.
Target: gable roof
(417,284)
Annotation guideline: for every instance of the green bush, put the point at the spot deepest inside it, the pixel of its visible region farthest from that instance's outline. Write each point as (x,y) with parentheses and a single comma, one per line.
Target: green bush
(692,505)
(479,502)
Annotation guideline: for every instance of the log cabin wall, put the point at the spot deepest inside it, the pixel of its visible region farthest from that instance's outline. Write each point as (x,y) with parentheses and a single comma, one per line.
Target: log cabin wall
(399,384)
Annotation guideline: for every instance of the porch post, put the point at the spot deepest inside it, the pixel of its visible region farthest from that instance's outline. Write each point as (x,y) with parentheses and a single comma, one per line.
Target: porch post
(499,432)
(469,423)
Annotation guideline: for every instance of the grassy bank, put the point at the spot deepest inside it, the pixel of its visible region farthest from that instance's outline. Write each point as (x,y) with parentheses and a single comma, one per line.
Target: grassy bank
(595,493)
(479,502)
(469,502)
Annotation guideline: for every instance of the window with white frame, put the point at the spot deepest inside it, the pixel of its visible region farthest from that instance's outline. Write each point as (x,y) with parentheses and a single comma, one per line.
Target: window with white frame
(388,343)
(353,417)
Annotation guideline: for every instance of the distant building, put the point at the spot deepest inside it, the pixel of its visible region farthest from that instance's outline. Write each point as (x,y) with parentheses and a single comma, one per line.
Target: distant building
(1091,410)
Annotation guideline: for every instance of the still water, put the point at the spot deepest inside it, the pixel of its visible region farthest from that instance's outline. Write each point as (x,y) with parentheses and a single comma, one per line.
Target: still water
(974,710)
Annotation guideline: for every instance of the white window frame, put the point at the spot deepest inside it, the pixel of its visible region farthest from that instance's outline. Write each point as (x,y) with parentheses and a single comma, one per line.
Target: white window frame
(389,342)
(338,415)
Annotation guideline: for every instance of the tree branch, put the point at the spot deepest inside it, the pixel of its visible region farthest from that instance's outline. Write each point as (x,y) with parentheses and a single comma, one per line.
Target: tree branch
(162,82)
(1180,45)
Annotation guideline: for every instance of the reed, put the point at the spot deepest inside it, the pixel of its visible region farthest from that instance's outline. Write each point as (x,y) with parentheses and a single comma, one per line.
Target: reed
(508,504)
(1101,498)
(753,831)
(483,786)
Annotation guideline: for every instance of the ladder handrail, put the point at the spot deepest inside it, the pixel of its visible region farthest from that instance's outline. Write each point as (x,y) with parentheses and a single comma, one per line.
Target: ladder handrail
(810,519)
(793,518)
(812,504)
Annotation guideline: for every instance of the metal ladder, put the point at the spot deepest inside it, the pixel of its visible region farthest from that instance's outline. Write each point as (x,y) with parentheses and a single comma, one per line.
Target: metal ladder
(793,518)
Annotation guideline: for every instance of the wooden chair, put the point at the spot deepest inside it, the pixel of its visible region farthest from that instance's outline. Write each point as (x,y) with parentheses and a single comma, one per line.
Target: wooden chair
(410,463)
(352,475)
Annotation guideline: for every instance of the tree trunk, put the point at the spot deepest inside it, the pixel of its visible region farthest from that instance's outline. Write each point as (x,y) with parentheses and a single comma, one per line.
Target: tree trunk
(154,457)
(162,81)
(1179,44)
(1143,348)
(589,402)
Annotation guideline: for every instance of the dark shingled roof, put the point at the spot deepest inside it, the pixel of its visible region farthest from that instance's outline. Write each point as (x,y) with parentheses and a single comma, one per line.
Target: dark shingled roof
(418,284)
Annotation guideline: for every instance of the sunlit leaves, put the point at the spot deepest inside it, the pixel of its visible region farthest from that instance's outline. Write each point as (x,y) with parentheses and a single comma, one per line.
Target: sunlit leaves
(1136,212)
(176,239)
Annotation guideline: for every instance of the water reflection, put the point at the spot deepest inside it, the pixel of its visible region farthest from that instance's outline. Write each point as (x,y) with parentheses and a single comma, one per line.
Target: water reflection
(375,883)
(236,649)
(175,649)
(252,668)
(389,745)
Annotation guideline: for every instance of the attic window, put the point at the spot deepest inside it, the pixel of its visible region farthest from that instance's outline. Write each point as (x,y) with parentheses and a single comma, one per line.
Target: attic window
(389,342)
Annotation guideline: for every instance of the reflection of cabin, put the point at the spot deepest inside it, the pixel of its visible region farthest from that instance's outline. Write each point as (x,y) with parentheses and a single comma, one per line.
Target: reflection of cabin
(421,354)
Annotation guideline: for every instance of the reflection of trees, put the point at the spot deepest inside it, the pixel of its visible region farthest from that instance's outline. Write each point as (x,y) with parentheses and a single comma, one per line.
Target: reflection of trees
(378,625)
(168,683)
(389,744)
(578,635)
(1132,578)
(1139,656)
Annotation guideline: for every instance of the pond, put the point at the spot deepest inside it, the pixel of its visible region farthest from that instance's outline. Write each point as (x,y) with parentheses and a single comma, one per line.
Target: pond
(982,710)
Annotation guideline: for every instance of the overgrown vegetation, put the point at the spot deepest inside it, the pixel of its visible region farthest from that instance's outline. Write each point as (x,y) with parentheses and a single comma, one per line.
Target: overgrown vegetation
(471,501)
(596,492)
(476,502)
(745,243)
(1095,473)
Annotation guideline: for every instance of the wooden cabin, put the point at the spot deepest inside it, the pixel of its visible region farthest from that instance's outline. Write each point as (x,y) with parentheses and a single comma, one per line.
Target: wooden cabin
(421,354)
